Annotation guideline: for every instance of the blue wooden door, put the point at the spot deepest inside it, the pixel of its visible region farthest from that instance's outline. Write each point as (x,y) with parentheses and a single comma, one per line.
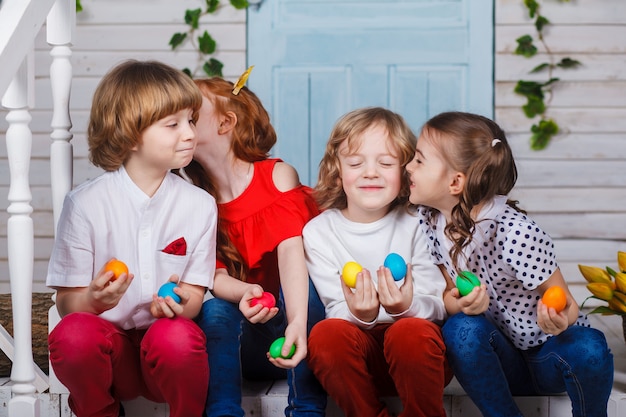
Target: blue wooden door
(316,60)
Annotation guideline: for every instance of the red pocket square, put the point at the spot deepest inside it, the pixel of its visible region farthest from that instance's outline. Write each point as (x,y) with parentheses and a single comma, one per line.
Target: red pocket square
(177,247)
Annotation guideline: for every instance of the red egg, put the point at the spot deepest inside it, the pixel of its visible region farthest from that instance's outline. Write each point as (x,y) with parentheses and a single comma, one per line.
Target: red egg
(266,300)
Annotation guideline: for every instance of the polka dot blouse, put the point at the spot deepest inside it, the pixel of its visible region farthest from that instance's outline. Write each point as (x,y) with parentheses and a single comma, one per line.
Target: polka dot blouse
(512,256)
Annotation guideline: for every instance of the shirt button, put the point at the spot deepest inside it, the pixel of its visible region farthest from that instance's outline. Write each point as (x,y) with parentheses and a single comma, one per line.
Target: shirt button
(146,276)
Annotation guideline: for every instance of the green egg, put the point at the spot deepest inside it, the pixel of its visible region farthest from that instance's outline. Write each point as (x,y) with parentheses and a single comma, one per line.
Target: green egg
(466,281)
(277,346)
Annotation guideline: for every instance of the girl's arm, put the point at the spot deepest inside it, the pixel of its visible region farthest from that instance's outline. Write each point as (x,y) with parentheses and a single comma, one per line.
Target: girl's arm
(294,281)
(236,291)
(549,320)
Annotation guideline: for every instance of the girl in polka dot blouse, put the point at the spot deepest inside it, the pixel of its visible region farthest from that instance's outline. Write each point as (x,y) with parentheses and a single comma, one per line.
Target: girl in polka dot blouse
(502,340)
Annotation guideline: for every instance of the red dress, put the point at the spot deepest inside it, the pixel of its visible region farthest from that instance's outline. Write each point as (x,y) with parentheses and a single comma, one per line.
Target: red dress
(262,217)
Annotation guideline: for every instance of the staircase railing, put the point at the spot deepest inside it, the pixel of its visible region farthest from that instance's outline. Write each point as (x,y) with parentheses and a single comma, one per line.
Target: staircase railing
(20,22)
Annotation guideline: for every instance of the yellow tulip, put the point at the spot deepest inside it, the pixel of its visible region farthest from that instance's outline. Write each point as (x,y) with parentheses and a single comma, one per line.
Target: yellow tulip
(620,281)
(617,305)
(620,297)
(594,274)
(621,261)
(601,290)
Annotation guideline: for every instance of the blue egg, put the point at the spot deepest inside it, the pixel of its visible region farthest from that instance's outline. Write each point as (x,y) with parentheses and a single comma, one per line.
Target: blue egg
(168,289)
(396,265)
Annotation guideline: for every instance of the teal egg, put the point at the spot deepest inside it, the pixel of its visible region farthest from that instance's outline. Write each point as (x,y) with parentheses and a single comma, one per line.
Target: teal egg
(277,346)
(466,281)
(396,265)
(168,289)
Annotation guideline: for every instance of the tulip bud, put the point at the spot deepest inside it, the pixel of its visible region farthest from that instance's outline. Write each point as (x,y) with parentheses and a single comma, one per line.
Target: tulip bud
(594,274)
(617,305)
(620,281)
(621,261)
(601,290)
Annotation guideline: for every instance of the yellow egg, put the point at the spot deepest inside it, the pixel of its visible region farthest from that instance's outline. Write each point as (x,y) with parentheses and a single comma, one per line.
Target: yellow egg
(350,269)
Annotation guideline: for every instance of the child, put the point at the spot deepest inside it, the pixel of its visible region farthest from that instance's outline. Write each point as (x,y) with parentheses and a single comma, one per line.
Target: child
(262,209)
(502,340)
(381,338)
(117,339)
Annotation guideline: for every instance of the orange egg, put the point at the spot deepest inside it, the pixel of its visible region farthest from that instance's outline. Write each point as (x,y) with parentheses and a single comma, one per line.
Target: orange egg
(555,298)
(117,267)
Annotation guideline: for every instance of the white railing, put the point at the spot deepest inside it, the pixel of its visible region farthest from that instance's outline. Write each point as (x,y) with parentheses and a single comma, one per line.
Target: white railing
(20,22)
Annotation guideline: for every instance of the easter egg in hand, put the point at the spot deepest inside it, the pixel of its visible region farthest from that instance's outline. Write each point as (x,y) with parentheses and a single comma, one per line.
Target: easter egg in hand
(277,346)
(396,265)
(168,289)
(466,281)
(555,298)
(267,299)
(117,267)
(349,272)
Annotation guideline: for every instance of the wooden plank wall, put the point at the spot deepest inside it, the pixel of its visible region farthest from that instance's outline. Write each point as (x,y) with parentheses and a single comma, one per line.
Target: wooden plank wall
(576,189)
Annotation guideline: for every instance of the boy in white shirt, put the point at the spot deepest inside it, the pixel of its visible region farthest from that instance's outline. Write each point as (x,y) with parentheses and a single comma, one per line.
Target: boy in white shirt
(117,339)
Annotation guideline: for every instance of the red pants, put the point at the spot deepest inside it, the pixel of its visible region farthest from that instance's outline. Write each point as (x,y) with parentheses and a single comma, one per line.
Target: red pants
(101,364)
(357,367)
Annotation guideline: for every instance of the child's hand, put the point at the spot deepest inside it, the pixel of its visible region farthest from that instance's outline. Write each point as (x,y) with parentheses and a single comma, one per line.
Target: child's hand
(363,301)
(474,303)
(258,313)
(394,299)
(294,334)
(550,321)
(103,294)
(167,307)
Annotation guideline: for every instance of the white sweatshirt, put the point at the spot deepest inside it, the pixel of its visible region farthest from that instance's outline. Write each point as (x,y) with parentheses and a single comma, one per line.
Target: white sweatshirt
(331,240)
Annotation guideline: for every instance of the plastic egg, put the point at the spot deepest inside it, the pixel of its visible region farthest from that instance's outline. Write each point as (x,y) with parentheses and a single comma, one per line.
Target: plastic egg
(267,299)
(466,281)
(168,289)
(396,265)
(349,272)
(277,346)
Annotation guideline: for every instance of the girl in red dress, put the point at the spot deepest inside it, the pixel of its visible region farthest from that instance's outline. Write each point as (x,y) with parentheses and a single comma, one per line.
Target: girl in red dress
(262,209)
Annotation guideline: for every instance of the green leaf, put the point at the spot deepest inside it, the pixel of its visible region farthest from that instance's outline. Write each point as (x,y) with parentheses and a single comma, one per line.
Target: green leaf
(192,17)
(550,81)
(79,7)
(177,39)
(540,68)
(213,68)
(211,5)
(611,272)
(568,63)
(606,311)
(533,107)
(532,7)
(525,46)
(529,88)
(206,43)
(239,4)
(542,133)
(541,22)
(188,72)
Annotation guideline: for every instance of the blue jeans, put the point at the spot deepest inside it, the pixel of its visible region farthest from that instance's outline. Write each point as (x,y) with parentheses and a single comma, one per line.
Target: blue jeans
(492,370)
(237,349)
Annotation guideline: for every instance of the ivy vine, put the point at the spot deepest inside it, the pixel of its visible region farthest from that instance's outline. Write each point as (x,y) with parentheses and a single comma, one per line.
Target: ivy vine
(204,44)
(535,92)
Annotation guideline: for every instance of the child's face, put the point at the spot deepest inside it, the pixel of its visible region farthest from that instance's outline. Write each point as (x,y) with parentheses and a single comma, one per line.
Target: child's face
(208,123)
(430,176)
(371,175)
(168,143)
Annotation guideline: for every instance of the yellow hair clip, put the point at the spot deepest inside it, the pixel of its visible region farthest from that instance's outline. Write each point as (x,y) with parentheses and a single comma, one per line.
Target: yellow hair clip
(242,80)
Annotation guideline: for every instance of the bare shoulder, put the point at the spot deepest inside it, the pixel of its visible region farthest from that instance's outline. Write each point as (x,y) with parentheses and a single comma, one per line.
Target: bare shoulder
(285,177)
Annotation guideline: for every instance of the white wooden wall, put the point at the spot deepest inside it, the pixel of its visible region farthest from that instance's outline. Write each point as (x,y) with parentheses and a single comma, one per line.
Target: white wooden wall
(576,189)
